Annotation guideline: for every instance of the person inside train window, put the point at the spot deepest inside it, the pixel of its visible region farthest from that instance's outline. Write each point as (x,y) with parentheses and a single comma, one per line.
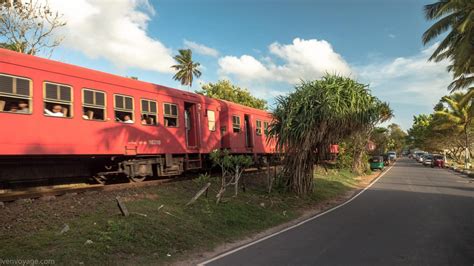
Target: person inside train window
(144,120)
(13,109)
(127,119)
(56,111)
(23,107)
(148,119)
(88,114)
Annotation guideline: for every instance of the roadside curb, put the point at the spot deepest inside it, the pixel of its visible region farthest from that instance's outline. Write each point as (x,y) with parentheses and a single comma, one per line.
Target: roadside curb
(467,173)
(269,233)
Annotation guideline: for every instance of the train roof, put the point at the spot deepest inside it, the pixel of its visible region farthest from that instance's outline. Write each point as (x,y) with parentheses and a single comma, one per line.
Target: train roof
(49,65)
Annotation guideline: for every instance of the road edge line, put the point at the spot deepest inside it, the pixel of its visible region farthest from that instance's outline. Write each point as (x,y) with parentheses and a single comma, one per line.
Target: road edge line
(295,225)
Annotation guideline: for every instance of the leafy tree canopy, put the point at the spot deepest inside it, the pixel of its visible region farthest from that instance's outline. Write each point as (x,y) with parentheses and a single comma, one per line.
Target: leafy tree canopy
(225,90)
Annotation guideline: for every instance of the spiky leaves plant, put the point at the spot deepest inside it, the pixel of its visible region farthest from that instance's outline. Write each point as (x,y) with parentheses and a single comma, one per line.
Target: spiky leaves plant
(456,17)
(186,68)
(317,114)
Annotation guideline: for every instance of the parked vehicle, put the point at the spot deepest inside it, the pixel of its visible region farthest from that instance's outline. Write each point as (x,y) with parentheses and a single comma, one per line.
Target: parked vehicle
(438,161)
(418,154)
(376,162)
(392,155)
(421,158)
(427,159)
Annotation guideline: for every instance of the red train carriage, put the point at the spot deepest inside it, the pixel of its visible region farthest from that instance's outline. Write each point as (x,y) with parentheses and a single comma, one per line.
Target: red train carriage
(64,120)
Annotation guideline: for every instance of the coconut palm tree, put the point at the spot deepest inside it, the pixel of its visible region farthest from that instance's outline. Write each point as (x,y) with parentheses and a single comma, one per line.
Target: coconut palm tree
(319,113)
(186,67)
(456,17)
(457,116)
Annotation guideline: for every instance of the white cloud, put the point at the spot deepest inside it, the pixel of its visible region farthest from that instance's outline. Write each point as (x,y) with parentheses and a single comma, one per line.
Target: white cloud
(114,31)
(245,67)
(408,80)
(392,36)
(411,84)
(201,48)
(302,59)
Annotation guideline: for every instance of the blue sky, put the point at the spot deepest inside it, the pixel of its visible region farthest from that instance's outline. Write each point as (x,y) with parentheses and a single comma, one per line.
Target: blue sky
(266,46)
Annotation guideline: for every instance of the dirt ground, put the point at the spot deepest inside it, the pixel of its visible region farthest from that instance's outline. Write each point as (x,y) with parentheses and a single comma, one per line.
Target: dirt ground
(31,216)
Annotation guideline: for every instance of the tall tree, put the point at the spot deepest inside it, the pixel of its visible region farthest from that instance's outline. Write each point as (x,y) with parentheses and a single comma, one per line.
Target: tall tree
(318,113)
(456,17)
(457,116)
(186,68)
(381,113)
(397,137)
(225,90)
(29,26)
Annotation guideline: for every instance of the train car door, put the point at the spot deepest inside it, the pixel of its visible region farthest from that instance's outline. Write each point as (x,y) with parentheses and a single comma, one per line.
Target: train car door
(190,125)
(248,132)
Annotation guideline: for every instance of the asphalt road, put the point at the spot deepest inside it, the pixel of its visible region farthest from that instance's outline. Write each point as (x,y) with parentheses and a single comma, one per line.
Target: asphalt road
(413,215)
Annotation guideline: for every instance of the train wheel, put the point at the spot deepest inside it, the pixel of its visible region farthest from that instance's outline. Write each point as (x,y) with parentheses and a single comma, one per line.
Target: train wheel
(137,179)
(100,179)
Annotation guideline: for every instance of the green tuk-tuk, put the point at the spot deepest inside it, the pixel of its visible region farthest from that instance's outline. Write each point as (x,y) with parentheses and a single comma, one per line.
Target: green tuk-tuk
(376,162)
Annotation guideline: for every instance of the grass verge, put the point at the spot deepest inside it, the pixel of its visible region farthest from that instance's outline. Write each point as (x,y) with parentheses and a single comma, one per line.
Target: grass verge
(160,229)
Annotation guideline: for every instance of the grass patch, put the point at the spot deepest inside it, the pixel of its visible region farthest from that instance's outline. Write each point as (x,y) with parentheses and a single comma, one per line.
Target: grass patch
(161,235)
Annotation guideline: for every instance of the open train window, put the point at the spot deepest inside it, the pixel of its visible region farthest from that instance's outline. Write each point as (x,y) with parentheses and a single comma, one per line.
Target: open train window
(93,105)
(258,127)
(149,112)
(170,114)
(265,128)
(15,94)
(123,107)
(57,100)
(236,123)
(211,120)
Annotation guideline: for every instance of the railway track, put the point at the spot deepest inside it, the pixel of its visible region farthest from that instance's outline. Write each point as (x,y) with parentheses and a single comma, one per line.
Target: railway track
(59,190)
(35,192)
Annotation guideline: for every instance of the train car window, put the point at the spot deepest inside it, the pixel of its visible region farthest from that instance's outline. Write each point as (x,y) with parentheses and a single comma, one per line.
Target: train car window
(15,94)
(149,112)
(57,100)
(236,123)
(265,128)
(123,107)
(258,127)
(170,114)
(93,105)
(211,120)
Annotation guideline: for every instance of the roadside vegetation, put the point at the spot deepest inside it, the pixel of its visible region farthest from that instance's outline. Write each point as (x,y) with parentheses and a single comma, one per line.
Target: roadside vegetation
(161,228)
(320,113)
(448,129)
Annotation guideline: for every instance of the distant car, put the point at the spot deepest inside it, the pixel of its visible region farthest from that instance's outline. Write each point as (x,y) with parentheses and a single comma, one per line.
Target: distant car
(427,160)
(392,155)
(376,162)
(437,161)
(421,157)
(418,154)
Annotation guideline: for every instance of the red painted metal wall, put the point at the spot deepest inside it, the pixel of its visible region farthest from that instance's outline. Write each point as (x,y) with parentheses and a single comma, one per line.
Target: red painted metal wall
(37,134)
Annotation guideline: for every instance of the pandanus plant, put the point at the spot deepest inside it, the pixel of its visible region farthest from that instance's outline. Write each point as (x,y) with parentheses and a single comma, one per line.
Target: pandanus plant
(318,113)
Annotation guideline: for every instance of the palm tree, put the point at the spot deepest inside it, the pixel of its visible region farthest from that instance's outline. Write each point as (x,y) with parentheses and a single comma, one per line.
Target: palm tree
(186,68)
(319,113)
(458,45)
(457,116)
